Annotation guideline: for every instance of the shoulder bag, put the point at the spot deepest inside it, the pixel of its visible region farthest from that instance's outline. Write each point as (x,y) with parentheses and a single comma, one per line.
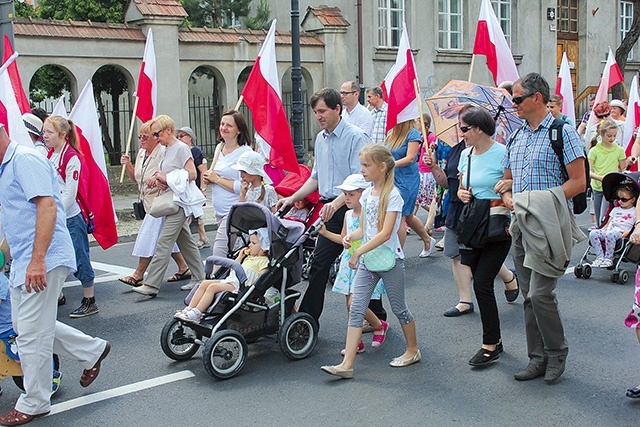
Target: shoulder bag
(163,205)
(379,259)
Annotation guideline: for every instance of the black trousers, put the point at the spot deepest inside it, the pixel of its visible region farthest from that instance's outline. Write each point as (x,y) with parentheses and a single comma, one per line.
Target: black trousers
(324,254)
(485,264)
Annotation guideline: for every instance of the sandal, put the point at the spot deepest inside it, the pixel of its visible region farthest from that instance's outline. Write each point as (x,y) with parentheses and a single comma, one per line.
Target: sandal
(89,375)
(131,281)
(512,294)
(378,339)
(17,418)
(180,276)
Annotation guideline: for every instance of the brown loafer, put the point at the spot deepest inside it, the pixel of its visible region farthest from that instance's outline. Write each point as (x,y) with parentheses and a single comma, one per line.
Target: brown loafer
(89,375)
(17,418)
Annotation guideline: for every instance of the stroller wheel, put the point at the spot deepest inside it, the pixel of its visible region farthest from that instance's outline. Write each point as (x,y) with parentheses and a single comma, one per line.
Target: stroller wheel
(577,270)
(615,276)
(586,271)
(224,354)
(624,277)
(178,340)
(298,336)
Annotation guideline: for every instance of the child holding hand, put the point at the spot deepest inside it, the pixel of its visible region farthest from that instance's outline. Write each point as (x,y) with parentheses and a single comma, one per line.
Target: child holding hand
(254,260)
(352,188)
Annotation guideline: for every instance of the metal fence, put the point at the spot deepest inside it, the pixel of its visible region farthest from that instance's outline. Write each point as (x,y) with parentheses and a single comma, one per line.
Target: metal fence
(204,119)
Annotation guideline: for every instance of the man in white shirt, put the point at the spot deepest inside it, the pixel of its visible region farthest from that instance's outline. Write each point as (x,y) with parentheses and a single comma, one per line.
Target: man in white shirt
(354,112)
(378,113)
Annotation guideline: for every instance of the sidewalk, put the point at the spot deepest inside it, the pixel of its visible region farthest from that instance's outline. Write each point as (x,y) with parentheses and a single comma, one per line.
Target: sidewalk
(128,226)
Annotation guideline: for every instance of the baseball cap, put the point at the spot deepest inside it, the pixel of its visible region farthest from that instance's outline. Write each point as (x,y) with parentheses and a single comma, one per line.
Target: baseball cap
(354,182)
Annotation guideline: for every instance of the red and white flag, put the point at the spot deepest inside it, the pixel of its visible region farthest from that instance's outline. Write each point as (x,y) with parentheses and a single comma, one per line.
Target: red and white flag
(611,76)
(398,87)
(85,116)
(490,41)
(10,114)
(60,109)
(147,92)
(564,88)
(14,76)
(263,97)
(633,120)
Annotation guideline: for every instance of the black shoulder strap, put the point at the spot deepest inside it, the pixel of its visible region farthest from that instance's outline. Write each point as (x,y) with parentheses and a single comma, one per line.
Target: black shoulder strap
(557,143)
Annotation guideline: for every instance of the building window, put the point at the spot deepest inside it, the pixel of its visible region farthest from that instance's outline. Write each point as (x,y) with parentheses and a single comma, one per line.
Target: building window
(390,19)
(450,24)
(626,18)
(568,16)
(502,8)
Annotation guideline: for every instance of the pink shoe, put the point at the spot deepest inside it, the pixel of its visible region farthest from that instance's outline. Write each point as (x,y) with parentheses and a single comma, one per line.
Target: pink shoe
(378,339)
(360,349)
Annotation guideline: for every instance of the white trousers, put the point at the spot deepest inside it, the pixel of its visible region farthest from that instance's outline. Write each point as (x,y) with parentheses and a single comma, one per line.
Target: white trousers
(40,335)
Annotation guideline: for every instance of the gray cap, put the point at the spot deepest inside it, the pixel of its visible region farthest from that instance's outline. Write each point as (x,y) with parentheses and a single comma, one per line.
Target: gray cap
(189,132)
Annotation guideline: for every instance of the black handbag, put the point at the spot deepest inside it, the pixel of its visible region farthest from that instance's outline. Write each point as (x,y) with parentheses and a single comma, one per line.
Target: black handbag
(138,210)
(499,222)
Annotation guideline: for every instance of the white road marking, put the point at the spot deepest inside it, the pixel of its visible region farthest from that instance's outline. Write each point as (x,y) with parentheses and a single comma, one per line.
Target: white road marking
(119,391)
(115,269)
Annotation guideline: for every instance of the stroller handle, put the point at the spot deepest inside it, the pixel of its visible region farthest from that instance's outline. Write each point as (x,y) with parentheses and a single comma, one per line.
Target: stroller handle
(226,263)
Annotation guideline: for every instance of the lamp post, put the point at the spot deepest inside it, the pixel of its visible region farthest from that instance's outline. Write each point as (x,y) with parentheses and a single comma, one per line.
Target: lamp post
(296,81)
(7,13)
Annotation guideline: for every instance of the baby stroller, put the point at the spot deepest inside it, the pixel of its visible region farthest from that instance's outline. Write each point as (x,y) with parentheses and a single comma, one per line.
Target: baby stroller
(235,319)
(624,251)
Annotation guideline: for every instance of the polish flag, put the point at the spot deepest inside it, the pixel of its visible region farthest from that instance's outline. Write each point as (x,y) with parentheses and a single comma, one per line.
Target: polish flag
(398,86)
(10,114)
(85,116)
(60,109)
(14,76)
(147,92)
(262,95)
(564,88)
(611,76)
(633,120)
(490,41)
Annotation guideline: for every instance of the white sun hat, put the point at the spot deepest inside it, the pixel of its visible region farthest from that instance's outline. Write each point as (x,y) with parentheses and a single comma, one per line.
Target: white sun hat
(354,182)
(253,164)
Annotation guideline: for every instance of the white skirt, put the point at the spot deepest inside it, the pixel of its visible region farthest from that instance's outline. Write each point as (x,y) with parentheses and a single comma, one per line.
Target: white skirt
(145,246)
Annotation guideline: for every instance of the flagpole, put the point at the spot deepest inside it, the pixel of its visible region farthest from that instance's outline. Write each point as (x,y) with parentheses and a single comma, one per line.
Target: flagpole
(419,101)
(239,103)
(128,147)
(473,62)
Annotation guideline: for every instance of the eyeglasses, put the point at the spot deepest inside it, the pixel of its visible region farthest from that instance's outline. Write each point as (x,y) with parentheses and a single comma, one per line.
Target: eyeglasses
(466,129)
(520,99)
(181,135)
(156,134)
(625,200)
(343,93)
(143,137)
(602,116)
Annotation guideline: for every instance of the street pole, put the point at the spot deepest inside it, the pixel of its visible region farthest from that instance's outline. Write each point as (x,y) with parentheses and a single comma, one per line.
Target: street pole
(7,13)
(296,82)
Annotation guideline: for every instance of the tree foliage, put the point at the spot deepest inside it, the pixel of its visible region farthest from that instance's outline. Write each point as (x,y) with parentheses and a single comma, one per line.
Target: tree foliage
(215,13)
(48,81)
(82,10)
(261,21)
(622,52)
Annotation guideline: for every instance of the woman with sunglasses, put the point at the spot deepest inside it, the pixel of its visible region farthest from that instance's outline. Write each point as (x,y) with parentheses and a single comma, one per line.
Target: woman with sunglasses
(175,229)
(147,163)
(480,170)
(234,139)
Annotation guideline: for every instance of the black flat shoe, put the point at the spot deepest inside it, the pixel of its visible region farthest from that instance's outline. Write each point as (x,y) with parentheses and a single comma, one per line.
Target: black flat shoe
(512,294)
(634,393)
(484,357)
(454,312)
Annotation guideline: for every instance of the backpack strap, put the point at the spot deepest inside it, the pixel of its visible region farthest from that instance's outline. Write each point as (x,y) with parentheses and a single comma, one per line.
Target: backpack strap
(557,143)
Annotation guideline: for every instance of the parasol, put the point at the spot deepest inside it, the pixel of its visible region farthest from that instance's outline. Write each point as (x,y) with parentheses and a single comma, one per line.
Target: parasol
(447,102)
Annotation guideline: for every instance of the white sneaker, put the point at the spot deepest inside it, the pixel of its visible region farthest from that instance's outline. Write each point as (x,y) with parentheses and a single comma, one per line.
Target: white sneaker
(188,286)
(426,252)
(194,315)
(606,263)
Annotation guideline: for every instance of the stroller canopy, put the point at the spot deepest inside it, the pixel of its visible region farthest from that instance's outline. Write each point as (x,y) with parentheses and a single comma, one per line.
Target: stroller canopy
(614,180)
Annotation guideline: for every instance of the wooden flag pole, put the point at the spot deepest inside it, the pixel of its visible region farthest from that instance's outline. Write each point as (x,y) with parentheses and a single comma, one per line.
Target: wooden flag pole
(473,61)
(419,100)
(239,103)
(128,147)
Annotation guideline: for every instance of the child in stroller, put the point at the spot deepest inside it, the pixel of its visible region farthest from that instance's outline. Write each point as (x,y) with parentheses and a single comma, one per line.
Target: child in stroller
(254,261)
(619,225)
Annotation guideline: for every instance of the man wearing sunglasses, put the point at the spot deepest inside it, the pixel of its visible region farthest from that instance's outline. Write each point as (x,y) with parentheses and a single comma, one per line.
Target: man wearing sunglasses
(542,221)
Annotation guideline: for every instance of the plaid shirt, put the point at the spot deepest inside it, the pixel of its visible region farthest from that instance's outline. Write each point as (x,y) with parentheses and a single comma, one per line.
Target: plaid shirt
(379,124)
(533,163)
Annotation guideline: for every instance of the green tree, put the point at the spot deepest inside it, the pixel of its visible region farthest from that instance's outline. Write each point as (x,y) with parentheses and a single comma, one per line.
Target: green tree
(261,21)
(25,10)
(215,13)
(48,81)
(110,80)
(622,52)
(82,10)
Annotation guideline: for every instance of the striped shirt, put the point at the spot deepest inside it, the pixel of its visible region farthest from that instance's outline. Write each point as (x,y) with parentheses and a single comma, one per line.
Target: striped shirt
(533,163)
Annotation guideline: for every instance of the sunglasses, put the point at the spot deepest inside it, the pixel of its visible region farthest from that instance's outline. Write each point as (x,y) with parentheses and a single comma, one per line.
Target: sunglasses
(343,93)
(182,135)
(156,134)
(625,200)
(466,129)
(602,116)
(520,99)
(143,137)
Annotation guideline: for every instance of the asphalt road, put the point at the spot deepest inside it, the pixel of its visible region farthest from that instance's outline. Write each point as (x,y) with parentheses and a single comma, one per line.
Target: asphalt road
(140,386)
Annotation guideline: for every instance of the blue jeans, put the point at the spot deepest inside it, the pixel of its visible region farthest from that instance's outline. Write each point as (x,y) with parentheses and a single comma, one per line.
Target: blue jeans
(78,231)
